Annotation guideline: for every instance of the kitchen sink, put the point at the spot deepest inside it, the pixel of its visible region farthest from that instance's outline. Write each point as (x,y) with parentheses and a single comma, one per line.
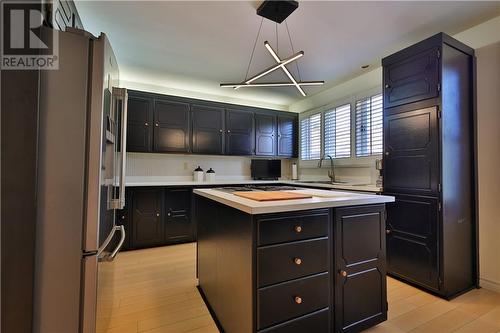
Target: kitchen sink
(322,182)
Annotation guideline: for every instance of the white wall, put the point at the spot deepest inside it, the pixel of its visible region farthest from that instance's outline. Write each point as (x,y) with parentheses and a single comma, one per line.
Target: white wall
(176,167)
(488,141)
(478,36)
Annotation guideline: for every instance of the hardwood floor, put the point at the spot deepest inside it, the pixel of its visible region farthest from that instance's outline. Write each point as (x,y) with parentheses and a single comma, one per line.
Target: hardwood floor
(154,291)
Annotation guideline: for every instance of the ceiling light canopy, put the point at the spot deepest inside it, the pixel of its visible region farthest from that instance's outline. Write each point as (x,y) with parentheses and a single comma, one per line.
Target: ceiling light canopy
(276,11)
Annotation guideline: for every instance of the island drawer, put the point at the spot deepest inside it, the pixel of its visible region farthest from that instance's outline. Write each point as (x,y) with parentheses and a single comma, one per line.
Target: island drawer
(316,322)
(294,226)
(292,299)
(282,262)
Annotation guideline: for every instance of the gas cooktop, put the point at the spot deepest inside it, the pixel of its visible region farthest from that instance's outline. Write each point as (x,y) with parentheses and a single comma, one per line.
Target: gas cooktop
(249,188)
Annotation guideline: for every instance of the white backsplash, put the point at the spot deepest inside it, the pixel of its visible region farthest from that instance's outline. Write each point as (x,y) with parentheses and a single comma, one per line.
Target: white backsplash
(180,167)
(358,175)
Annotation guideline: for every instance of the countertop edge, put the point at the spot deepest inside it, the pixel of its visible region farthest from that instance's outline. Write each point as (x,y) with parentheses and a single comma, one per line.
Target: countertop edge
(359,188)
(370,199)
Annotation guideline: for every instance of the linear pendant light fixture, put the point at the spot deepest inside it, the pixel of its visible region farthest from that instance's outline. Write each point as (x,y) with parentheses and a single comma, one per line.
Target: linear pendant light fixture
(276,11)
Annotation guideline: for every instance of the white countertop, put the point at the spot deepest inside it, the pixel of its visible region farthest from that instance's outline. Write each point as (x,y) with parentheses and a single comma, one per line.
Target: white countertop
(320,199)
(153,181)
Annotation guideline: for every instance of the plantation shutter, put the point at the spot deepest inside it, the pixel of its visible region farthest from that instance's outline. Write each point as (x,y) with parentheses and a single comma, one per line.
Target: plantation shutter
(369,126)
(310,137)
(338,131)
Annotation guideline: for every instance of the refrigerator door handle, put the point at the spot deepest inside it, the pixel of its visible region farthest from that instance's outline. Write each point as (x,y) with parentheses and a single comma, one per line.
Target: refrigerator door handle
(120,94)
(123,145)
(111,256)
(108,240)
(120,243)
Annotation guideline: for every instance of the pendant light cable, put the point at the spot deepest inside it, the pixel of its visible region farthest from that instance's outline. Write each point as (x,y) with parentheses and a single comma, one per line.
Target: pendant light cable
(277,41)
(293,50)
(253,51)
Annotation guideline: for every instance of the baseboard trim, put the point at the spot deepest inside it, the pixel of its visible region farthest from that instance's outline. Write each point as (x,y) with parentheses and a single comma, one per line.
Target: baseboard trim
(489,284)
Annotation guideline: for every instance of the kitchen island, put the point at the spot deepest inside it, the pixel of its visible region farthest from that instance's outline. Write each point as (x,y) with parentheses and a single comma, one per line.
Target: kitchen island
(304,265)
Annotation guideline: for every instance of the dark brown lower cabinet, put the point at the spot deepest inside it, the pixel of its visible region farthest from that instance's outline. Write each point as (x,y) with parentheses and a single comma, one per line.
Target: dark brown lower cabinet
(412,244)
(155,216)
(360,273)
(178,226)
(147,227)
(318,271)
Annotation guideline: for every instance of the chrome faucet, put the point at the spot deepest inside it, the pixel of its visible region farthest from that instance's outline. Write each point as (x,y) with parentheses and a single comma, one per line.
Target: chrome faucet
(331,172)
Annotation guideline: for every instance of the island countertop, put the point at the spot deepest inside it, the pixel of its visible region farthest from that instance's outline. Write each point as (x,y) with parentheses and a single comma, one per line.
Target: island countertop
(320,199)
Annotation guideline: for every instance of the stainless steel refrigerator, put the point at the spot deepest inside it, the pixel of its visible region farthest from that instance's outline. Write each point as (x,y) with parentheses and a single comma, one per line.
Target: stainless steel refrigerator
(80,175)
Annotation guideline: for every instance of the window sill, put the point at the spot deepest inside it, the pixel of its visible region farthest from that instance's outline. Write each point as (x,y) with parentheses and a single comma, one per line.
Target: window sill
(351,162)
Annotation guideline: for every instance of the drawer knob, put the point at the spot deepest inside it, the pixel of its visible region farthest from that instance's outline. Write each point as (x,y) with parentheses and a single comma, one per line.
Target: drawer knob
(146,124)
(158,214)
(387,86)
(297,261)
(388,231)
(298,299)
(123,217)
(298,229)
(343,273)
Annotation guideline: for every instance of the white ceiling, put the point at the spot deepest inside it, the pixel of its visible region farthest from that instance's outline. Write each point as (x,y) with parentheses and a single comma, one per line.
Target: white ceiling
(197,45)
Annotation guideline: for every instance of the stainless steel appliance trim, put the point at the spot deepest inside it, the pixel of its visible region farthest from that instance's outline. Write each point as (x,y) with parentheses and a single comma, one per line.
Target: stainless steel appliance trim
(122,95)
(95,134)
(89,294)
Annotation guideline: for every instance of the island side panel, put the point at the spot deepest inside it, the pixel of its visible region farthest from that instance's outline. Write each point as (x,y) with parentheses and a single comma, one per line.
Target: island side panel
(225,264)
(360,267)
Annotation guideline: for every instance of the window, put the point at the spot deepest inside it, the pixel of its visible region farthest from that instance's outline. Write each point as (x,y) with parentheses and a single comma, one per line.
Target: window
(369,126)
(338,131)
(310,137)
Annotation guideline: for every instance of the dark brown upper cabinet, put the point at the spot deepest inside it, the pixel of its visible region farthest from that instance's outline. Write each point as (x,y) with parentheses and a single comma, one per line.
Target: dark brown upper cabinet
(239,132)
(411,156)
(139,124)
(170,124)
(412,79)
(287,135)
(208,129)
(171,128)
(265,134)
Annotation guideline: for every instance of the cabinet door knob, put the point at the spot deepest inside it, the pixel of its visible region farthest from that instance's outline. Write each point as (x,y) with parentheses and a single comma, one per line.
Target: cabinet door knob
(220,130)
(123,217)
(169,214)
(158,214)
(386,153)
(297,261)
(146,124)
(388,231)
(298,229)
(229,131)
(343,273)
(298,299)
(387,86)
(157,125)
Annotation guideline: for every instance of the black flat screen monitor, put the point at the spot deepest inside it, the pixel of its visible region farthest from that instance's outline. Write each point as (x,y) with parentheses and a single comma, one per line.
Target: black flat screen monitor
(266,169)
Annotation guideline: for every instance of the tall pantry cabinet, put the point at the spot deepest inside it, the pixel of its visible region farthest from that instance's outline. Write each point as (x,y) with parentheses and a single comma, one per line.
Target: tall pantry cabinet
(429,166)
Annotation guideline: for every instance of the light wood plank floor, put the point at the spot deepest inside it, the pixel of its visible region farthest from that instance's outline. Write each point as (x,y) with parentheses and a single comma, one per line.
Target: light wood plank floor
(154,291)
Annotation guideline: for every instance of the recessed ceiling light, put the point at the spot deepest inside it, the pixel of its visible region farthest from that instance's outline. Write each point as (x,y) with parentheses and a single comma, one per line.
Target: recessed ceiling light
(365,66)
